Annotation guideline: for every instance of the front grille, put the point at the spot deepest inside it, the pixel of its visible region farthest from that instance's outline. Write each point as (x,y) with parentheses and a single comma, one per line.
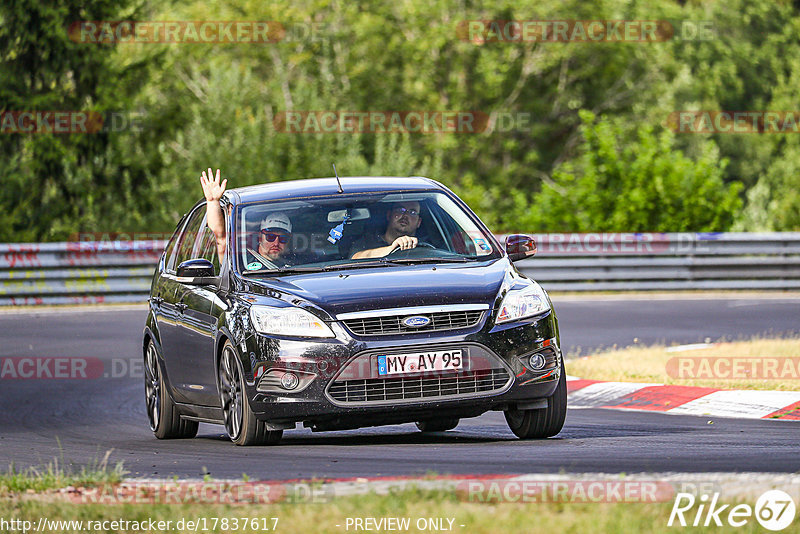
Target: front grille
(398,389)
(377,326)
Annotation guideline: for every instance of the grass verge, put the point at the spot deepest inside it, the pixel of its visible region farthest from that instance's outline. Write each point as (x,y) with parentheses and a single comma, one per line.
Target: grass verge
(435,510)
(57,475)
(759,364)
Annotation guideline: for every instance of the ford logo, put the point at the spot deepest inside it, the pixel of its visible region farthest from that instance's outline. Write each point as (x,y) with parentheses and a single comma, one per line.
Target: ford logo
(416,321)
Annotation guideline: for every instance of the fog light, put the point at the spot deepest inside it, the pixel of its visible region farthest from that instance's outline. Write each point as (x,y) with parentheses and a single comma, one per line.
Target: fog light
(289,381)
(537,362)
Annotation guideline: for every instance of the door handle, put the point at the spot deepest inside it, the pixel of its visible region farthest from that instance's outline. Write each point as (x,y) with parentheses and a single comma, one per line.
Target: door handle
(157,300)
(181,306)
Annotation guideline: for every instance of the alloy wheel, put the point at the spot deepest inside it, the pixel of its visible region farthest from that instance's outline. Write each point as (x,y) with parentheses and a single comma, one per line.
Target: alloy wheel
(230,381)
(152,387)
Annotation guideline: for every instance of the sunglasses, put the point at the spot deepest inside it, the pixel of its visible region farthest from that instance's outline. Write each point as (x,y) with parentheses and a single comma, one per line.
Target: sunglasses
(271,236)
(400,210)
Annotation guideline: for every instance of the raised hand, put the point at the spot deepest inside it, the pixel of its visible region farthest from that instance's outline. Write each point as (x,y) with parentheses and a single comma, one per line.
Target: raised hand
(213,191)
(212,188)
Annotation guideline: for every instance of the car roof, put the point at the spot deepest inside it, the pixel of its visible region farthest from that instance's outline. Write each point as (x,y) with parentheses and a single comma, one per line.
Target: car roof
(328,186)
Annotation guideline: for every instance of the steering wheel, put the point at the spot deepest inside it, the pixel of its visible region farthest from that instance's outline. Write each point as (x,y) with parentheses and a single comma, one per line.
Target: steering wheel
(419,244)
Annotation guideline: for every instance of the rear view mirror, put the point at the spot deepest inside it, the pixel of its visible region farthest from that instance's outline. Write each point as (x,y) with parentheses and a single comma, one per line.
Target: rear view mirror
(356,214)
(196,271)
(520,246)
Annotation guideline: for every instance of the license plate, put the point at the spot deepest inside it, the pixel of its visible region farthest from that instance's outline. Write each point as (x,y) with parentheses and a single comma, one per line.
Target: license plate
(420,362)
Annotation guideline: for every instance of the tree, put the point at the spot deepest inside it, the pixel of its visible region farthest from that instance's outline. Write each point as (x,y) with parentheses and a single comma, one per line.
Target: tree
(58,184)
(639,184)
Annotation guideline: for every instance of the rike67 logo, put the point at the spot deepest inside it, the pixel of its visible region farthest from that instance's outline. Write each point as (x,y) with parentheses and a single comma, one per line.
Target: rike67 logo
(774,510)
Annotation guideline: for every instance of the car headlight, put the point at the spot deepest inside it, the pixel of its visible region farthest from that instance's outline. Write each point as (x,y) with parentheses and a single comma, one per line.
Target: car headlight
(521,303)
(288,322)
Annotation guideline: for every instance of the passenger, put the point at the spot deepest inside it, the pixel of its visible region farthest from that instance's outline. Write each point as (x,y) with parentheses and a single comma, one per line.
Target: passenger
(275,231)
(273,239)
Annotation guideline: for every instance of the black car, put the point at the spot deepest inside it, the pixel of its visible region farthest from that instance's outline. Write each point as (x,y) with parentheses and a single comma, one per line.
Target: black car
(445,330)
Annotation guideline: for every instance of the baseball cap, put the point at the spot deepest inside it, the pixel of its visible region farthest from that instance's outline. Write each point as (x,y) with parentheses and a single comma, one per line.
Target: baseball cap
(277,221)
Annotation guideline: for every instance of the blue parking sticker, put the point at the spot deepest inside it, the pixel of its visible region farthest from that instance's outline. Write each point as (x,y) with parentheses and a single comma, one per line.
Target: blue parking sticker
(254,266)
(482,244)
(382,365)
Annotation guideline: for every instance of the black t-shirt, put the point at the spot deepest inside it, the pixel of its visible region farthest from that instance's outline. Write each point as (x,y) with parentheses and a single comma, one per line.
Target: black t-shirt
(368,242)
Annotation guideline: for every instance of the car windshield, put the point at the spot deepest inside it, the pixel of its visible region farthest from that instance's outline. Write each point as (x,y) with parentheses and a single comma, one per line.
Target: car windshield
(352,231)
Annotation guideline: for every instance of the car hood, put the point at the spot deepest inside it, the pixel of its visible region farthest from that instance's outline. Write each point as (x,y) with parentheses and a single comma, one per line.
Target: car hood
(393,286)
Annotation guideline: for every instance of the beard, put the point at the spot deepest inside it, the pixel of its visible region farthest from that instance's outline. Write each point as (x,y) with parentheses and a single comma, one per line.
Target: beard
(404,229)
(271,252)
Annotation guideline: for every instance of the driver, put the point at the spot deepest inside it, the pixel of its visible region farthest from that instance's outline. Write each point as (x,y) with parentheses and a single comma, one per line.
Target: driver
(402,221)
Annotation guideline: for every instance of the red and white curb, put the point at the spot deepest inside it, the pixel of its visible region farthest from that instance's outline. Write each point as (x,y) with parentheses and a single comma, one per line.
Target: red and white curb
(684,400)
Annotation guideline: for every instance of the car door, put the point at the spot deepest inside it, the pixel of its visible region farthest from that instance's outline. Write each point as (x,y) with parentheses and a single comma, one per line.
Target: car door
(173,307)
(198,327)
(164,302)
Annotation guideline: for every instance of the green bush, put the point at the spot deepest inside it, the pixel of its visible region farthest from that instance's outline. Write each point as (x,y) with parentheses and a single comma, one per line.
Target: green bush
(634,182)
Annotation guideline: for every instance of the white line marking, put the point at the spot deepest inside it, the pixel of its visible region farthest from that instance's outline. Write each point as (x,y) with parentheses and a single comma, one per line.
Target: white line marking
(600,394)
(739,403)
(693,346)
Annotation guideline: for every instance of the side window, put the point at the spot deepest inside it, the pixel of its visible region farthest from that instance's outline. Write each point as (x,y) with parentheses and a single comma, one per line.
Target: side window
(431,229)
(457,239)
(206,246)
(191,235)
(171,248)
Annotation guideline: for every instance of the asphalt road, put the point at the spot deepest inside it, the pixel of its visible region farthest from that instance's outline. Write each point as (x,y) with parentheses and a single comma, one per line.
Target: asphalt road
(78,421)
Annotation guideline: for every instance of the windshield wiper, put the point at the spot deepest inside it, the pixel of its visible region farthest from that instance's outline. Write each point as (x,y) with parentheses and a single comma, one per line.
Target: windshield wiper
(358,264)
(287,270)
(460,259)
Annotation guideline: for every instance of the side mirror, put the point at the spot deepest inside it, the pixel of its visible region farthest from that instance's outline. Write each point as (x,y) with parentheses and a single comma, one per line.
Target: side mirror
(519,247)
(197,271)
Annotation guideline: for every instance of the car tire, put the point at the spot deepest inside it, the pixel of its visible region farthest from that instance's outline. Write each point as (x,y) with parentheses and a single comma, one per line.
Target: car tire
(240,422)
(543,422)
(165,420)
(437,425)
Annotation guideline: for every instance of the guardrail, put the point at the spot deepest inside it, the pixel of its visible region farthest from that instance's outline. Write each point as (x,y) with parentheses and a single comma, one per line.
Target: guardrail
(121,271)
(87,272)
(674,261)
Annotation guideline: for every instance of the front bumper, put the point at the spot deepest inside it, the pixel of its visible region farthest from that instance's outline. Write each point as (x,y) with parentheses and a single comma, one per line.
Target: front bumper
(338,386)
